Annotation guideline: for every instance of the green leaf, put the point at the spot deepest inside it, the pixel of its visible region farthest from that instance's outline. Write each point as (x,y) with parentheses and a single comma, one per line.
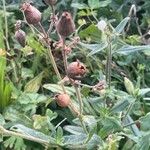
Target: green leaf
(93,4)
(110,125)
(102,46)
(33,133)
(91,32)
(105,3)
(79,5)
(145,122)
(95,48)
(120,106)
(122,25)
(59,136)
(33,85)
(127,49)
(2,120)
(57,88)
(144,91)
(74,129)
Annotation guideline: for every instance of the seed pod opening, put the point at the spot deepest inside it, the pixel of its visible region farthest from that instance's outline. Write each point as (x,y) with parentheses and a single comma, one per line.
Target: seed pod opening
(65,25)
(76,70)
(32,14)
(20,36)
(50,2)
(63,100)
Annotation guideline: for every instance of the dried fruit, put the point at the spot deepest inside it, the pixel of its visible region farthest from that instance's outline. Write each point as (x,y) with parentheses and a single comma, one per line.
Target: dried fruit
(76,70)
(20,36)
(65,25)
(63,100)
(50,2)
(32,14)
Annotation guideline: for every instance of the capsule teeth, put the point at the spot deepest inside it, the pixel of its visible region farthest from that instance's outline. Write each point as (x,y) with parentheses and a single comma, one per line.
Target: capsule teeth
(32,14)
(20,36)
(76,70)
(65,25)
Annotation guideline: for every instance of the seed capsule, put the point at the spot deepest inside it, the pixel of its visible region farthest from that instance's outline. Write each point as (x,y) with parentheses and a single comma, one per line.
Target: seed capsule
(65,25)
(50,2)
(76,70)
(20,36)
(32,14)
(63,100)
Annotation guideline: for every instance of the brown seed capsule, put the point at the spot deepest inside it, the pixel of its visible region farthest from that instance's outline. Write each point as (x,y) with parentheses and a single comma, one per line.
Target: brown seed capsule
(63,100)
(50,2)
(32,14)
(65,25)
(20,36)
(76,70)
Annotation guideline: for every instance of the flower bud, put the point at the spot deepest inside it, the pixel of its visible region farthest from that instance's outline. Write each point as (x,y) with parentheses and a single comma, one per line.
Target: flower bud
(63,100)
(65,25)
(20,36)
(32,14)
(76,70)
(50,2)
(129,86)
(102,25)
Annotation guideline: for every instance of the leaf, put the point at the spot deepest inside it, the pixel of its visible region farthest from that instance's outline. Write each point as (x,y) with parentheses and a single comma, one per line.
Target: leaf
(144,122)
(75,139)
(79,5)
(122,25)
(59,136)
(95,48)
(102,46)
(105,3)
(120,106)
(33,85)
(74,129)
(57,88)
(127,49)
(91,32)
(93,4)
(144,91)
(110,125)
(2,120)
(33,133)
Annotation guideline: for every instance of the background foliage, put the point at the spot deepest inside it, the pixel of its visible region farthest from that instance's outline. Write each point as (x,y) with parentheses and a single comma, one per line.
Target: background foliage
(115,118)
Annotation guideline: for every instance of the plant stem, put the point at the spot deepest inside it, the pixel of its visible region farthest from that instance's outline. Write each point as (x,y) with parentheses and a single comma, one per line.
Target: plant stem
(109,61)
(64,56)
(55,67)
(6,26)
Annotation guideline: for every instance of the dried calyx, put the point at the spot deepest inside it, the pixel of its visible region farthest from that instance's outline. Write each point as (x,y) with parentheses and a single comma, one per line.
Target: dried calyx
(63,100)
(76,70)
(50,2)
(65,25)
(32,14)
(20,35)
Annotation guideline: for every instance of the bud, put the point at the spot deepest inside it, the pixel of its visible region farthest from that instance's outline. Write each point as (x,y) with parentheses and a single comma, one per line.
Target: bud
(76,70)
(32,14)
(102,25)
(20,36)
(63,100)
(129,86)
(65,25)
(50,2)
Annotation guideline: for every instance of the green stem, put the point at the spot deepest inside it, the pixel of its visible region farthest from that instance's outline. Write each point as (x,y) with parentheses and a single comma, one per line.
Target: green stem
(6,26)
(109,61)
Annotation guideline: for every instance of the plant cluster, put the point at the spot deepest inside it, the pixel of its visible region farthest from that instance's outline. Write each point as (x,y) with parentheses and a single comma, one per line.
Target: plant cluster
(74,75)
